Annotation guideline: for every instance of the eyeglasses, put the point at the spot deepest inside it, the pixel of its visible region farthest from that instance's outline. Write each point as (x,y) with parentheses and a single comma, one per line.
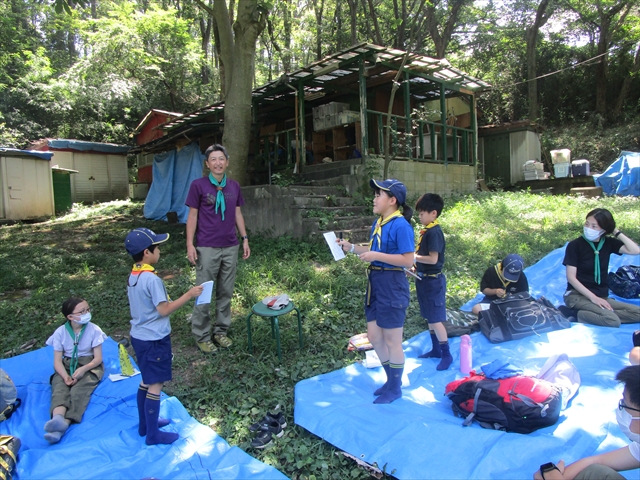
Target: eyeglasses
(82,312)
(622,405)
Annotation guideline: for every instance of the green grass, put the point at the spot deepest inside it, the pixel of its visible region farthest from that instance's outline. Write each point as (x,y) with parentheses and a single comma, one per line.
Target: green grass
(83,254)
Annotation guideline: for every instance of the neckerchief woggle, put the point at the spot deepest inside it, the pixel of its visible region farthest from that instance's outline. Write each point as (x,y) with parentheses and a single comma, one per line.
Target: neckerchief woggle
(219,196)
(505,282)
(73,365)
(423,231)
(596,252)
(377,231)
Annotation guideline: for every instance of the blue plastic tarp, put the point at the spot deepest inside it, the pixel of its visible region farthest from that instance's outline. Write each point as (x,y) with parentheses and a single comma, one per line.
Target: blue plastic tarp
(418,436)
(26,153)
(173,173)
(622,177)
(548,277)
(106,443)
(82,146)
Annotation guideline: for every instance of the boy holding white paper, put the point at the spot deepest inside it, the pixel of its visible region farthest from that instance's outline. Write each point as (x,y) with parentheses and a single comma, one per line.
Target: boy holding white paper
(150,329)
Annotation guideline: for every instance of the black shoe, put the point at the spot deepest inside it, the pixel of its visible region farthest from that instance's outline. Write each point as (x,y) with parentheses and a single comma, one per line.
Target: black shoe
(273,427)
(269,417)
(262,440)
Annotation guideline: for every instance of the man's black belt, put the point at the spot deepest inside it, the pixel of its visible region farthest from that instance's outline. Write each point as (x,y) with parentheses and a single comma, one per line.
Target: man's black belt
(394,269)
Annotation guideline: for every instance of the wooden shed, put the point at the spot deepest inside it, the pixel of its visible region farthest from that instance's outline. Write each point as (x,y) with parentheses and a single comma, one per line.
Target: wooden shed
(26,185)
(103,174)
(504,149)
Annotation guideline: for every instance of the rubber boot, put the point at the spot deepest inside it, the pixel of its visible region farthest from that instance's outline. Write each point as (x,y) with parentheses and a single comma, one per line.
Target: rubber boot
(142,421)
(436,351)
(383,388)
(447,359)
(152,412)
(394,386)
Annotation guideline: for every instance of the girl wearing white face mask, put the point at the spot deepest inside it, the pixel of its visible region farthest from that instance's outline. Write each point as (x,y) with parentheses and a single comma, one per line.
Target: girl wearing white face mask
(77,361)
(587,263)
(606,466)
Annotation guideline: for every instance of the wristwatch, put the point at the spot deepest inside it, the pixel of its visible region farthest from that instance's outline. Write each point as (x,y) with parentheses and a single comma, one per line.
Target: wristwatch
(245,237)
(616,235)
(546,468)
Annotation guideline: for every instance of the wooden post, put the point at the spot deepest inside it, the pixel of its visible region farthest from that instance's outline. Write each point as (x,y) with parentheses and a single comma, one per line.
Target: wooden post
(443,121)
(362,83)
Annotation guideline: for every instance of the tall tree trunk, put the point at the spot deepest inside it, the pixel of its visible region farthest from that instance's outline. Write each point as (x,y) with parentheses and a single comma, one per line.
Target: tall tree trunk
(318,8)
(353,16)
(531,36)
(376,27)
(441,39)
(237,54)
(626,84)
(205,41)
(602,67)
(286,54)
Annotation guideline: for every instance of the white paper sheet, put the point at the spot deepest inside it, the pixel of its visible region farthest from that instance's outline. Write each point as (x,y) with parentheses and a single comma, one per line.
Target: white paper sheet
(207,291)
(116,377)
(336,250)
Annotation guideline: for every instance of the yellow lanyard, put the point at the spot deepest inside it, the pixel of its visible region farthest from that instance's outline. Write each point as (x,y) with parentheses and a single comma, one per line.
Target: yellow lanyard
(377,231)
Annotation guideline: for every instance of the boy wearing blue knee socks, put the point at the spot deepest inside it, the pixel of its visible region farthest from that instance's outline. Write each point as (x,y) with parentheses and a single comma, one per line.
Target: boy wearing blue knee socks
(150,330)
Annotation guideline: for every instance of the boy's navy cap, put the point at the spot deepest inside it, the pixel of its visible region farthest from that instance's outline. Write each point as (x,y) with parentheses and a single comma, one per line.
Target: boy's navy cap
(393,186)
(140,239)
(512,266)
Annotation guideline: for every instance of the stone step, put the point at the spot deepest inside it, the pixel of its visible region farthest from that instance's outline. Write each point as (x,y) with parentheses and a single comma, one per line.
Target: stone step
(322,201)
(358,226)
(355,235)
(342,211)
(334,190)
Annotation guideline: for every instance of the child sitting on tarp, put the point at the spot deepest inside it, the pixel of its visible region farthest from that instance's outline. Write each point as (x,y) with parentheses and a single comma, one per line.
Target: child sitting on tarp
(77,360)
(501,280)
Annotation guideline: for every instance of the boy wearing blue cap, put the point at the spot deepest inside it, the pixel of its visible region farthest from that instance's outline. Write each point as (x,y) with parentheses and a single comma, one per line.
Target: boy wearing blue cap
(505,278)
(390,250)
(150,329)
(431,289)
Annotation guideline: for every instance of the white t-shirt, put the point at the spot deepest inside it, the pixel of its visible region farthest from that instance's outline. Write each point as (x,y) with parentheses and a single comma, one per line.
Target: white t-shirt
(146,291)
(61,341)
(634,448)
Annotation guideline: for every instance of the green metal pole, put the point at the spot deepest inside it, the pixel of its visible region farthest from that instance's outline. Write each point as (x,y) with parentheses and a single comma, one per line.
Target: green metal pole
(362,82)
(443,121)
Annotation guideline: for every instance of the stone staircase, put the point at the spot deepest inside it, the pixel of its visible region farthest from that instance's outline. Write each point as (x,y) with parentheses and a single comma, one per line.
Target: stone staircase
(326,208)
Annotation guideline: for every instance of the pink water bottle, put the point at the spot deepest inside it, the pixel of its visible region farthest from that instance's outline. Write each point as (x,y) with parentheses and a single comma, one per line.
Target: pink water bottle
(465,354)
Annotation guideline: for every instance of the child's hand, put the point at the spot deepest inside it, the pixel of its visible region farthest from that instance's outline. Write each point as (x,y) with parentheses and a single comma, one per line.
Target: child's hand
(368,256)
(195,291)
(78,374)
(500,293)
(69,381)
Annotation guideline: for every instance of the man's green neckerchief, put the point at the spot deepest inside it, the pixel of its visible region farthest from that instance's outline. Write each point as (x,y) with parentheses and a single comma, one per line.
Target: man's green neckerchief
(596,252)
(73,366)
(219,196)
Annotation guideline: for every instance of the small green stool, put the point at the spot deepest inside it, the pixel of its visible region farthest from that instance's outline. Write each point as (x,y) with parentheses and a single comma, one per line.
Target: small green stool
(262,310)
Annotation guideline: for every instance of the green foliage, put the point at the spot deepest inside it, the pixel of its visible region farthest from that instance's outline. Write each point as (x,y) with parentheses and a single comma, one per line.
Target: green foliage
(82,254)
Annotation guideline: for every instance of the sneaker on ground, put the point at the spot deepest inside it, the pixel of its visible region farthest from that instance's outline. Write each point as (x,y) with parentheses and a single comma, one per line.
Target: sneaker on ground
(223,341)
(262,440)
(207,347)
(274,427)
(269,417)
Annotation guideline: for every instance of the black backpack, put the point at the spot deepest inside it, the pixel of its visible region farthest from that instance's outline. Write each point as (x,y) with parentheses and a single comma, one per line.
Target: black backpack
(519,315)
(625,282)
(517,404)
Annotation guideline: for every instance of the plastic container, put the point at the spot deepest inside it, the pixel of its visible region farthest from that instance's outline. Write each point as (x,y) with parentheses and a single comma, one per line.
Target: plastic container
(580,168)
(465,354)
(561,156)
(562,170)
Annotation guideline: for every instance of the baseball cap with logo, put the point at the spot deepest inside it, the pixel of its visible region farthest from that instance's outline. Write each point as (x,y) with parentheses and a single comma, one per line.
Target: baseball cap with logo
(393,186)
(140,239)
(512,266)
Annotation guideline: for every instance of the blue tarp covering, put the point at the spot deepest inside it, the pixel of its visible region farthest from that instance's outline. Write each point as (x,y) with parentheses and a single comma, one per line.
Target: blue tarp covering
(83,146)
(548,277)
(106,443)
(418,436)
(622,177)
(26,153)
(173,173)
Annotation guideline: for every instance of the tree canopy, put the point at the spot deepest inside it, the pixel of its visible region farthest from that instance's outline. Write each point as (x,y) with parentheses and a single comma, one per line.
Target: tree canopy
(91,69)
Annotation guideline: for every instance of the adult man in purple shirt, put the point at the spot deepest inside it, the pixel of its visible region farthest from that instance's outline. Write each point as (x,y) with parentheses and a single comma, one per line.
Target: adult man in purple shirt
(214,214)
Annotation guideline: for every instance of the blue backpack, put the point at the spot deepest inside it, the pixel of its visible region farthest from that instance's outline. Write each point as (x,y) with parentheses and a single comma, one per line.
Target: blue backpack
(625,282)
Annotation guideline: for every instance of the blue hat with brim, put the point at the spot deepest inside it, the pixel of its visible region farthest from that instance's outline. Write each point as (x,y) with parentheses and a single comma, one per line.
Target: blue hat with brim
(393,186)
(140,239)
(512,266)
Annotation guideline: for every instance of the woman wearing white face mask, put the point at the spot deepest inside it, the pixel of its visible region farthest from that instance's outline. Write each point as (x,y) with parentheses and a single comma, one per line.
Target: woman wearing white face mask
(77,361)
(607,465)
(587,262)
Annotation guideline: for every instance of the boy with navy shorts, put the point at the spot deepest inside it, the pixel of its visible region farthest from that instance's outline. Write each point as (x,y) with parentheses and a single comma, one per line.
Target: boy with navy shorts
(150,330)
(431,289)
